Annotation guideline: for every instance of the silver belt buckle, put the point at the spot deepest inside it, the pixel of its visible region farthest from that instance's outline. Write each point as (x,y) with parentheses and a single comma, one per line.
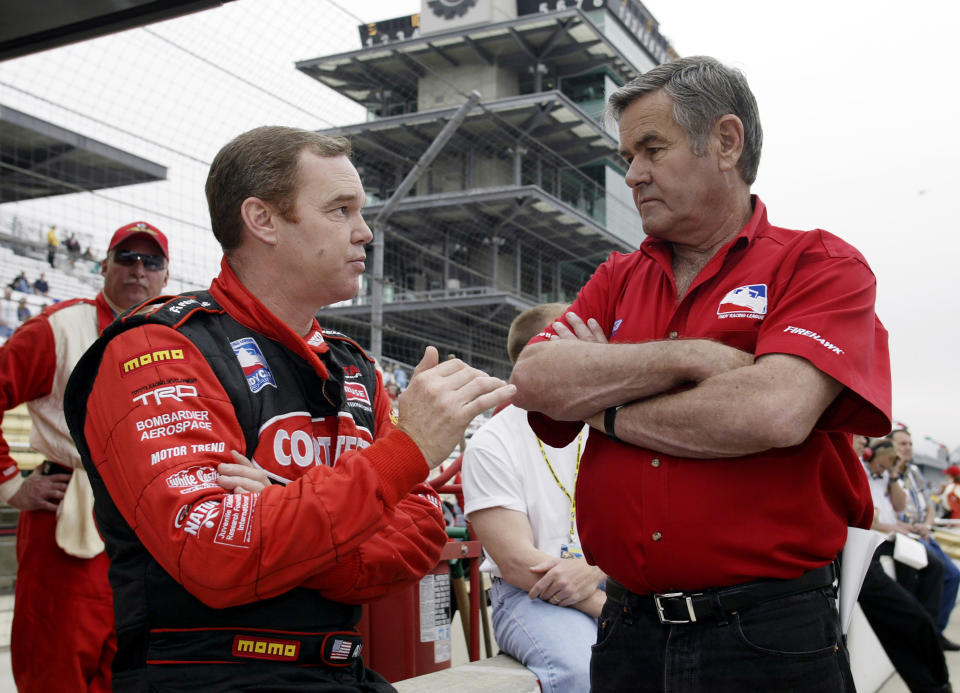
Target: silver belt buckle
(687,599)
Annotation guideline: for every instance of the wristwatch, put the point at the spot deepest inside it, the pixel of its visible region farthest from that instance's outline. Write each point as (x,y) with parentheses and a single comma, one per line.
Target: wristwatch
(610,421)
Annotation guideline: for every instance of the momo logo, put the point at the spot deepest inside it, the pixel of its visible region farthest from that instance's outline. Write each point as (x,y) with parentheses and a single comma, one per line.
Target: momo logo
(256,647)
(253,363)
(744,302)
(355,392)
(174,392)
(297,440)
(151,358)
(193,479)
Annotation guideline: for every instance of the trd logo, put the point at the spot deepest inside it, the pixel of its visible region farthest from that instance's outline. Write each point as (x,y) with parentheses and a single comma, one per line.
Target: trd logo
(175,392)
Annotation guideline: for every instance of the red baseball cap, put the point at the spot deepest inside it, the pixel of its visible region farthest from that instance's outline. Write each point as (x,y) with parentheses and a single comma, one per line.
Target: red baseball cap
(952,470)
(140,228)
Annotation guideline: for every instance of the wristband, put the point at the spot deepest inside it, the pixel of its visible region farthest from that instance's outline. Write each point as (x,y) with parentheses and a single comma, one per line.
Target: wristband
(610,420)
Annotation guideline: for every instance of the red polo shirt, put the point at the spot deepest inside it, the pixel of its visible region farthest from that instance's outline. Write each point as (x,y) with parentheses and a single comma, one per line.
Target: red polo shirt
(655,522)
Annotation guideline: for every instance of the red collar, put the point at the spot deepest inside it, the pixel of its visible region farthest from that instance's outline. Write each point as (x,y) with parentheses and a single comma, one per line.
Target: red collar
(246,309)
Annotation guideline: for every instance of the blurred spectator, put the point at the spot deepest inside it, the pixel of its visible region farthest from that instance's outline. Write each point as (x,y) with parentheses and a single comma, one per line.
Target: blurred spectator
(52,244)
(919,514)
(8,313)
(20,283)
(73,249)
(400,377)
(951,492)
(394,391)
(88,255)
(889,499)
(23,313)
(40,286)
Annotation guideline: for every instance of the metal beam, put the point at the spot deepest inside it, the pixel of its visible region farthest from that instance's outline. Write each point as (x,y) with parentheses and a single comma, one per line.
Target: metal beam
(376,315)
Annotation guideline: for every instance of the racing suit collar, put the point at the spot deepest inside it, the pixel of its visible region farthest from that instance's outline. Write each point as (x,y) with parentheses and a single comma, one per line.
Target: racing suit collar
(245,308)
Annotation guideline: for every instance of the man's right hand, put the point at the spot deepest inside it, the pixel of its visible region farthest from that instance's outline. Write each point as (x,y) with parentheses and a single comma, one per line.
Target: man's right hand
(39,492)
(442,399)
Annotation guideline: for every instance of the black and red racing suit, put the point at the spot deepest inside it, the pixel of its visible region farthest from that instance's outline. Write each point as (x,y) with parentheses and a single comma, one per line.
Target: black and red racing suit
(162,399)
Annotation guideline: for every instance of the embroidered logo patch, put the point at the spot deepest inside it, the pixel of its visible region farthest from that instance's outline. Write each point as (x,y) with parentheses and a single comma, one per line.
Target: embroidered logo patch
(744,302)
(253,363)
(356,392)
(616,328)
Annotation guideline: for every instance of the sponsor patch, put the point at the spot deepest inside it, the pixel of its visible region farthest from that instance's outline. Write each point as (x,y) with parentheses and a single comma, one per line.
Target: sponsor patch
(253,363)
(183,303)
(167,453)
(351,371)
(316,339)
(815,337)
(207,447)
(356,392)
(193,479)
(616,328)
(200,517)
(236,520)
(172,423)
(151,358)
(297,440)
(256,647)
(744,302)
(174,392)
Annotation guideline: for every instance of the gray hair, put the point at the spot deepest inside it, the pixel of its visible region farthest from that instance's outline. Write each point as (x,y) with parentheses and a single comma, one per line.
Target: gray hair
(703,90)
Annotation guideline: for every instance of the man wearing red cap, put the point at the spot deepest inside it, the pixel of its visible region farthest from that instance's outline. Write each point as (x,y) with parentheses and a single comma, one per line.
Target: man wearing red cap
(62,637)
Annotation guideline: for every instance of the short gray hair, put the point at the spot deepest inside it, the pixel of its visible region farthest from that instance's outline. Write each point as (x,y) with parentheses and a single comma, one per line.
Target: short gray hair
(703,90)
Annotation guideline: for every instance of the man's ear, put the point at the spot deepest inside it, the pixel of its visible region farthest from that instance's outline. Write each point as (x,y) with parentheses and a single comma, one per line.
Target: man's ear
(728,134)
(260,219)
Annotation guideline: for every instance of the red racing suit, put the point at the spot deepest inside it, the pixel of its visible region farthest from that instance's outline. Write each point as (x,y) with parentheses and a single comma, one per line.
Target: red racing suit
(162,399)
(62,634)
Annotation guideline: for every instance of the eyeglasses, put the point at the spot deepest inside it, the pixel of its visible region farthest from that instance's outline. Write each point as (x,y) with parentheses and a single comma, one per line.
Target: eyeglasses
(128,258)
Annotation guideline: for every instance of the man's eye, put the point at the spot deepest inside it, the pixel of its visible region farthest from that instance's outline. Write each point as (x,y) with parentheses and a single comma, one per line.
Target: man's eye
(654,150)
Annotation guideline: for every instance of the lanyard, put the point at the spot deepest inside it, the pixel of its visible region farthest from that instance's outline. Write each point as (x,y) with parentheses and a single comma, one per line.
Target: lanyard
(576,473)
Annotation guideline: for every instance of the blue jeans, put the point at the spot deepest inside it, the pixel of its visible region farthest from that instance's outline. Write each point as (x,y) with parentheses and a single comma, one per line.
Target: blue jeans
(951,583)
(788,645)
(552,641)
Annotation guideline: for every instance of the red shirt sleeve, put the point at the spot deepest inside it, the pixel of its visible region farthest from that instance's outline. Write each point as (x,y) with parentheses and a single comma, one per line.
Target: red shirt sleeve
(592,301)
(156,433)
(27,364)
(827,317)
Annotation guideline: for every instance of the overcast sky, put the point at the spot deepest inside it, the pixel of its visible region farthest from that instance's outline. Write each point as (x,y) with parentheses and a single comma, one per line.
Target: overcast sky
(858,103)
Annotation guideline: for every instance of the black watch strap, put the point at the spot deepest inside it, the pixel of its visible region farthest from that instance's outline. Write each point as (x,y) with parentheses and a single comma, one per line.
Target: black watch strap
(610,421)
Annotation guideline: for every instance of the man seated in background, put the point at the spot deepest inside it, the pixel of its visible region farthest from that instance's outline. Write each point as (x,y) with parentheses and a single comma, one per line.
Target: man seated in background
(918,515)
(889,498)
(904,628)
(40,286)
(519,496)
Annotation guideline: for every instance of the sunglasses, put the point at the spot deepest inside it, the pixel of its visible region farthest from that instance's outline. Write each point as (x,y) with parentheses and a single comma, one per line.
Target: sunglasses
(128,258)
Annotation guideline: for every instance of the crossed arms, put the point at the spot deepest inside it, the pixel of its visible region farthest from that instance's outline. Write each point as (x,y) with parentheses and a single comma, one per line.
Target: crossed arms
(691,398)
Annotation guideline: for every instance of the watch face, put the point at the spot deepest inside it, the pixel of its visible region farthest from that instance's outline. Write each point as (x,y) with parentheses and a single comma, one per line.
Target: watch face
(448,9)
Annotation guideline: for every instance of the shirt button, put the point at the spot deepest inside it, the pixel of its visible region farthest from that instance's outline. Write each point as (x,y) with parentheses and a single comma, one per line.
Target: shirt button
(654,462)
(673,334)
(657,536)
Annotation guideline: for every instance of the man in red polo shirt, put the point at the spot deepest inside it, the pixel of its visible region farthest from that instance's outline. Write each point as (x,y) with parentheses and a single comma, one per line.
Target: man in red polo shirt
(724,366)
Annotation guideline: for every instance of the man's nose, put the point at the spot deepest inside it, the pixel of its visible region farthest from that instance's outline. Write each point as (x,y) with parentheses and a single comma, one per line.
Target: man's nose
(638,172)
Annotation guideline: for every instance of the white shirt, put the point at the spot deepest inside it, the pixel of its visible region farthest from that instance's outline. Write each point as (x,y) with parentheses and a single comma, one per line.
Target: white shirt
(881,496)
(503,467)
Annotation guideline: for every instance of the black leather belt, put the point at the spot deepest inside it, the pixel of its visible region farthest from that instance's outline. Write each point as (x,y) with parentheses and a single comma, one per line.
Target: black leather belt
(689,607)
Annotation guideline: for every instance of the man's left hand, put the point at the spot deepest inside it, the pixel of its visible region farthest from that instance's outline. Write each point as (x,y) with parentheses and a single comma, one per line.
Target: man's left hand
(241,477)
(565,581)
